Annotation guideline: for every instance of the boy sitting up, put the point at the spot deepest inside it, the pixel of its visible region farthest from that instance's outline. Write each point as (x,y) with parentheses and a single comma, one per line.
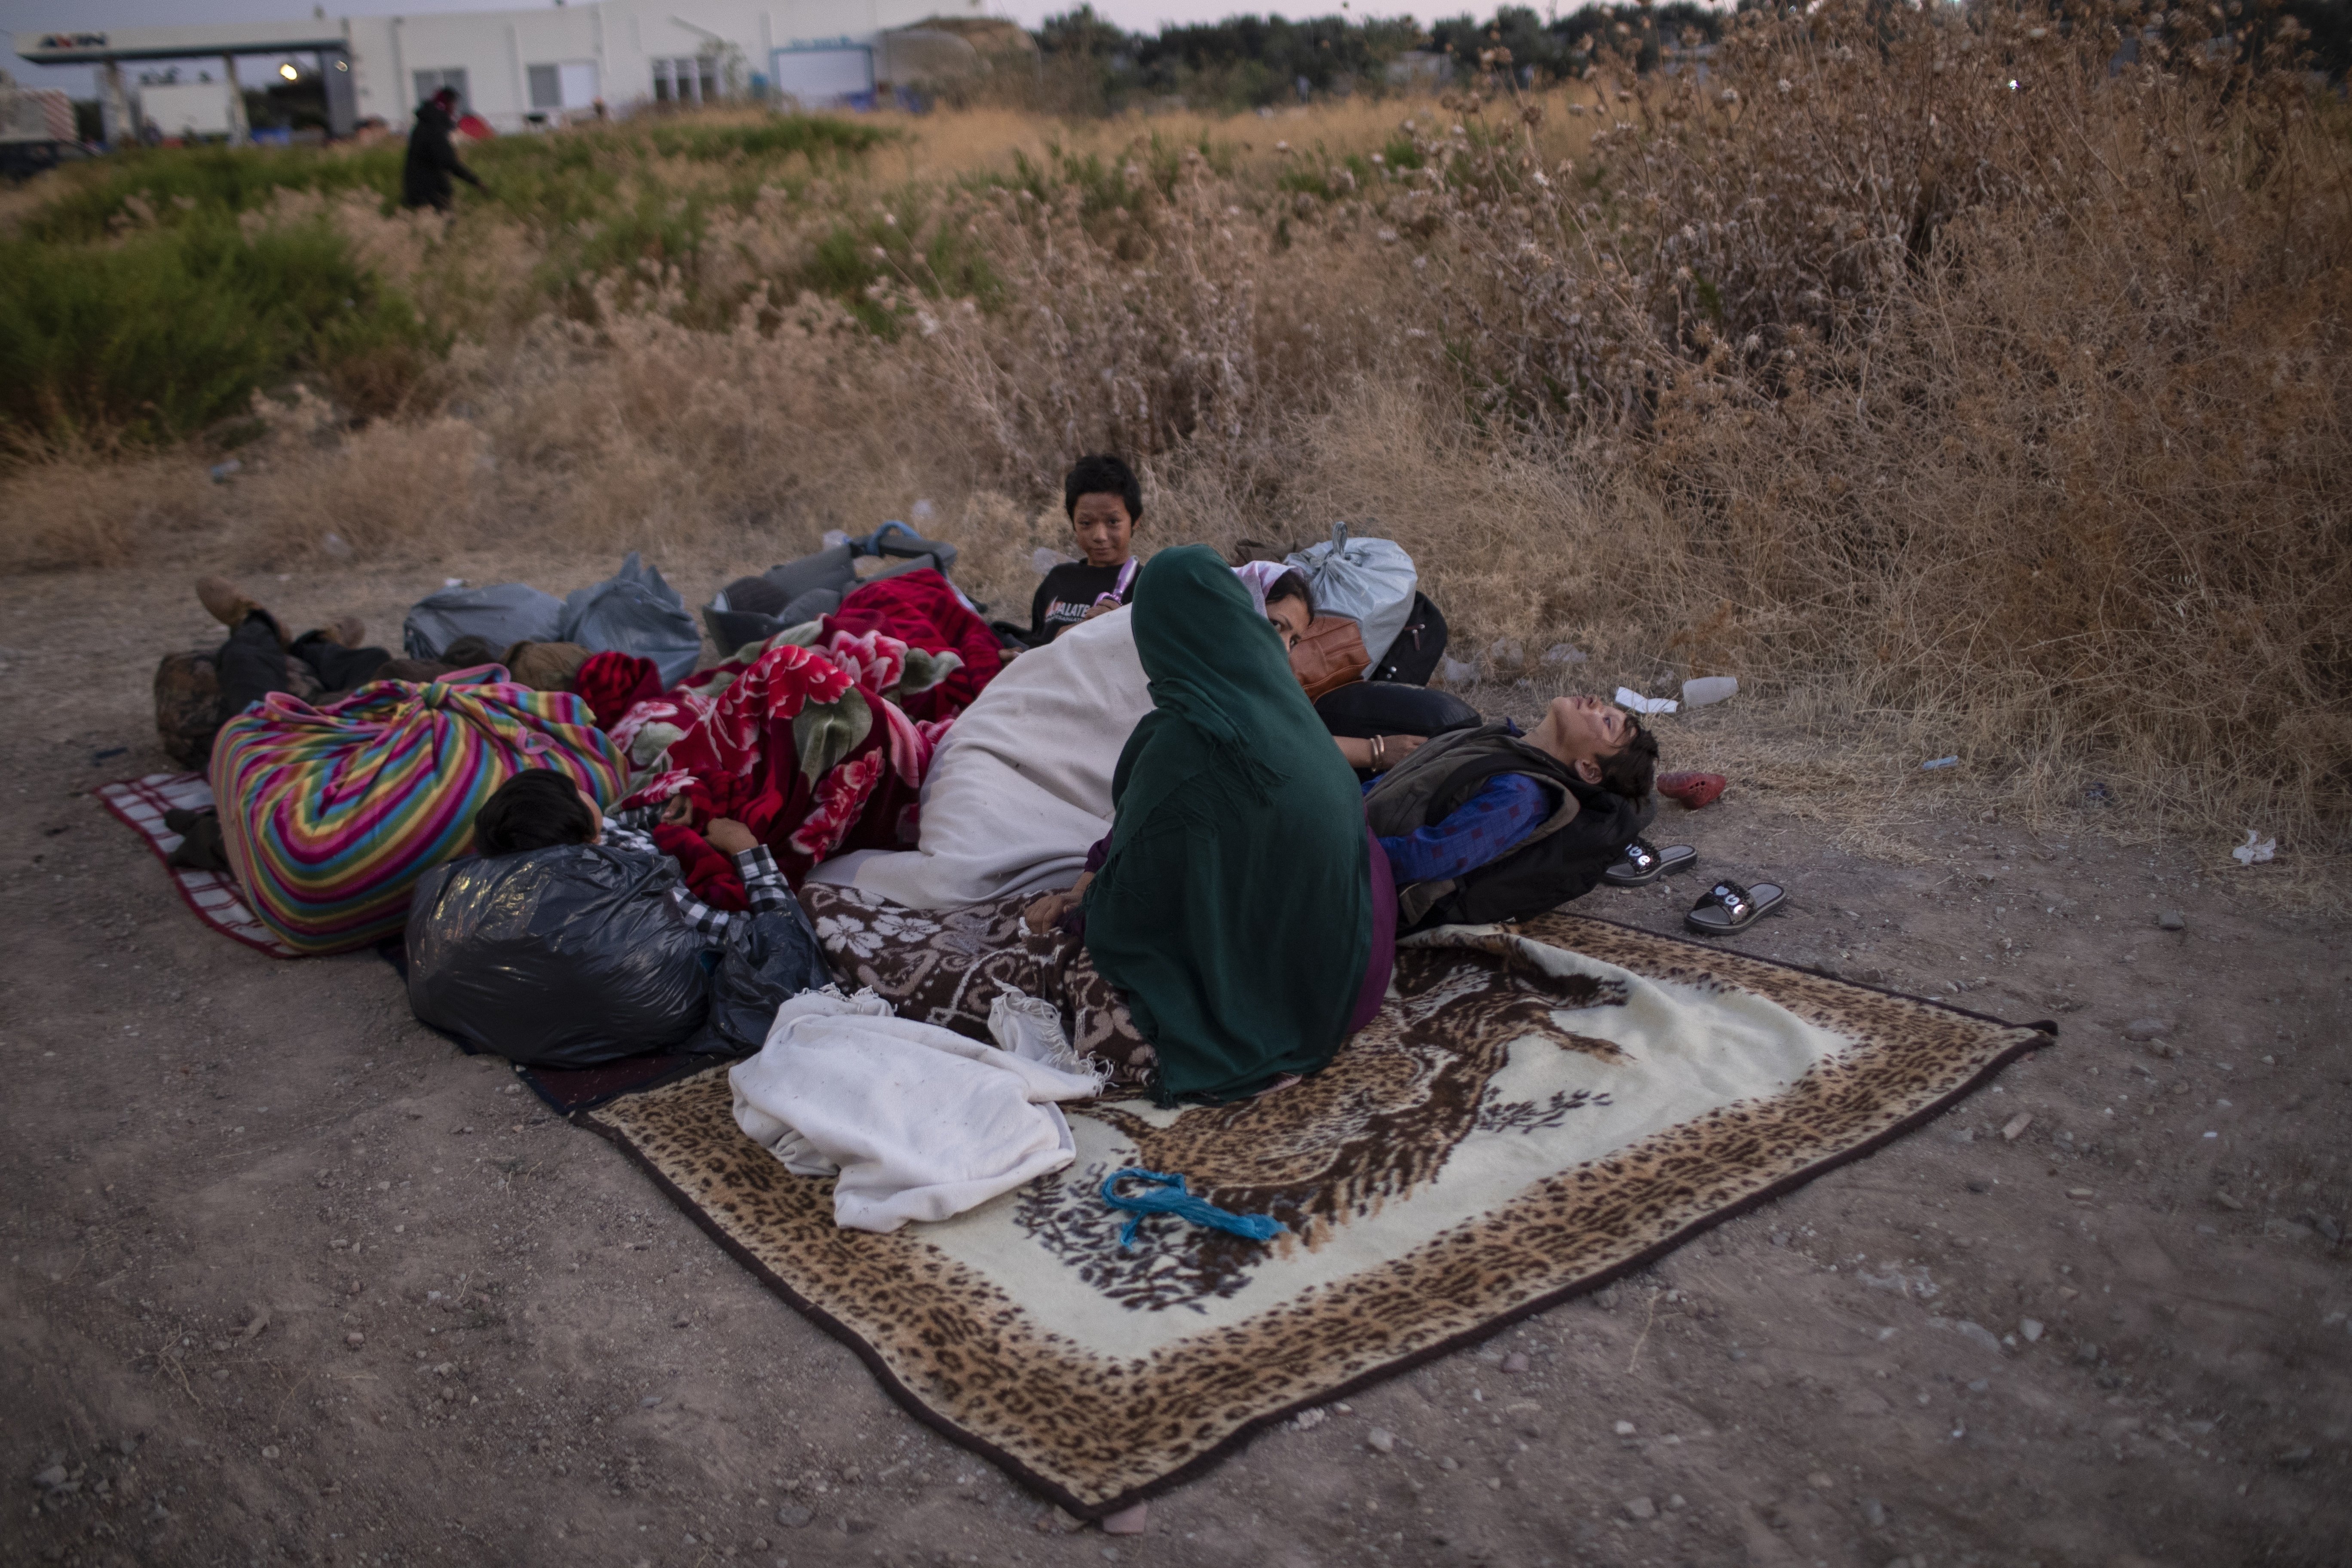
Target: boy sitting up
(1104,504)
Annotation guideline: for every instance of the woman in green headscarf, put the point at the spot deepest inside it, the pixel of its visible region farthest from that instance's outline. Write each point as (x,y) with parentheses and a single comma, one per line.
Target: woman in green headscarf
(1236,909)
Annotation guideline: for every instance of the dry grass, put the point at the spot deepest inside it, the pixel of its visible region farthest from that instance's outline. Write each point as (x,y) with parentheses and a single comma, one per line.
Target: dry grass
(1952,418)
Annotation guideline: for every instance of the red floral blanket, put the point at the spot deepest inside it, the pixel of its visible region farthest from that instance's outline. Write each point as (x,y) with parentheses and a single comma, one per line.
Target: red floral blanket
(808,747)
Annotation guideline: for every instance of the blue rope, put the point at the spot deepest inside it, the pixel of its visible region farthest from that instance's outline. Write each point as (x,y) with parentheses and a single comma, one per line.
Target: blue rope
(1180,1203)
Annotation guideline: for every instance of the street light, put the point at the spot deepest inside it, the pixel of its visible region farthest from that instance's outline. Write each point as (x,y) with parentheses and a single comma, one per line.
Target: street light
(289,72)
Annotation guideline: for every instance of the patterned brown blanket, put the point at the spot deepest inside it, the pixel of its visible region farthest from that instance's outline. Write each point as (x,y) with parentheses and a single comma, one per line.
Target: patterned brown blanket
(1534,1112)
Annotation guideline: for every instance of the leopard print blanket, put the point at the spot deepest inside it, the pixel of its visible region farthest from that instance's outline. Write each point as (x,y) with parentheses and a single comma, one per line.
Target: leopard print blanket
(1536,1110)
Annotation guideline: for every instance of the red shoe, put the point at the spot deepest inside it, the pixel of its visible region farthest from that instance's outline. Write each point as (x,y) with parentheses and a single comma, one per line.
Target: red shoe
(1693,790)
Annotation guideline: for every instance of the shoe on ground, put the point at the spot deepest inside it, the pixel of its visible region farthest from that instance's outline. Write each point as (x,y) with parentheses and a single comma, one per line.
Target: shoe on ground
(1693,790)
(224,601)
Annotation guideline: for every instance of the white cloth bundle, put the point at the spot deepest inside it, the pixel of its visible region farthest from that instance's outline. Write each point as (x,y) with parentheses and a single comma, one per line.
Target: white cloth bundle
(918,1121)
(1020,787)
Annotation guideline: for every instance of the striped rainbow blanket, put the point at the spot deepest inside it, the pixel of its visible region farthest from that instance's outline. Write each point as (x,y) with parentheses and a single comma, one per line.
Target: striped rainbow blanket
(329,815)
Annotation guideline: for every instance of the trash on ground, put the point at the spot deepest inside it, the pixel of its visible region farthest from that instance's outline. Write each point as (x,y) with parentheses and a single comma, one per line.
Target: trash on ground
(1628,698)
(1933,763)
(2255,850)
(1709,688)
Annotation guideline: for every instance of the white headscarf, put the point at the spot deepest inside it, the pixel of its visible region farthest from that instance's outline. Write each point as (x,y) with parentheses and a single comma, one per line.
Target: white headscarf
(1257,577)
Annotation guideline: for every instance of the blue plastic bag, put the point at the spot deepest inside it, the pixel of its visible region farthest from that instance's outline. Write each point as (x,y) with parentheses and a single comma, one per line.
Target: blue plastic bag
(634,611)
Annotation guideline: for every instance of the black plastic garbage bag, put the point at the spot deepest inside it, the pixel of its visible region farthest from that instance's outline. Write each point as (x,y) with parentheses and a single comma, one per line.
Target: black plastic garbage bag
(561,957)
(768,957)
(576,955)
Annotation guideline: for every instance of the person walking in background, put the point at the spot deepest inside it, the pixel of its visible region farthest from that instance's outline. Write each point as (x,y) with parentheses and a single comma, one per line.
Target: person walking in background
(432,159)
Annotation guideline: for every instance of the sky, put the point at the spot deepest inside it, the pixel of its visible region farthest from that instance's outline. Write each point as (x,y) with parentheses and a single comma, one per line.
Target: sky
(49,15)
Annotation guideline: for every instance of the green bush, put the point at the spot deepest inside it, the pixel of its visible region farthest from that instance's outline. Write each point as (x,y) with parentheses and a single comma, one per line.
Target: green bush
(182,182)
(133,303)
(173,327)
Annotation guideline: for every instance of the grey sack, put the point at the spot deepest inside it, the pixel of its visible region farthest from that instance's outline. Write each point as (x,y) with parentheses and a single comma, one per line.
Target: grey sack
(635,611)
(501,615)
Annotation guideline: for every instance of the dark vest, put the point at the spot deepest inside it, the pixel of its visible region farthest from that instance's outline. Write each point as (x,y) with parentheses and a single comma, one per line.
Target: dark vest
(1561,859)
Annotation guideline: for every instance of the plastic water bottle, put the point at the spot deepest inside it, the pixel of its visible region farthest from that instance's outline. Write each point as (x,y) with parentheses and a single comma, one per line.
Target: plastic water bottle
(1709,688)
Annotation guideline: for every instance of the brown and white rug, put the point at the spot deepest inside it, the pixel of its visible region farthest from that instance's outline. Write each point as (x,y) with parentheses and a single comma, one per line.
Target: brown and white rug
(1534,1112)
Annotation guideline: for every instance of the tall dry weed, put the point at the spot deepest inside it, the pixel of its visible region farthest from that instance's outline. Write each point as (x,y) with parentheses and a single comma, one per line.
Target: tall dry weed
(2002,387)
(1964,417)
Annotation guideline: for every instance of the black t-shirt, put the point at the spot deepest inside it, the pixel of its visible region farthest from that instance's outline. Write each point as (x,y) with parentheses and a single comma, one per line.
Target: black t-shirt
(1065,595)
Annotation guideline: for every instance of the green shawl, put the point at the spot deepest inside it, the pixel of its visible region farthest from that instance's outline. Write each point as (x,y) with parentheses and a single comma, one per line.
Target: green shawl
(1234,912)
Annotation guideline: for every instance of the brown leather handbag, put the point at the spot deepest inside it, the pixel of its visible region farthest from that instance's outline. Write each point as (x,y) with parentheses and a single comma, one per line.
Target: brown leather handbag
(1329,655)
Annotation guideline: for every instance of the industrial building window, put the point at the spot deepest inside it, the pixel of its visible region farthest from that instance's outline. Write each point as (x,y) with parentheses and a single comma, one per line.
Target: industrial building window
(569,85)
(433,81)
(686,79)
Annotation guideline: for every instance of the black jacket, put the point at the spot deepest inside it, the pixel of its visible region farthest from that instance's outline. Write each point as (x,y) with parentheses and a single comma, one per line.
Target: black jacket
(1561,860)
(424,178)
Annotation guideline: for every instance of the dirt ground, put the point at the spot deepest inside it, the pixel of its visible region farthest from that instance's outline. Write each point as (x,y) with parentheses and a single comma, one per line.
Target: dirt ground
(288,1280)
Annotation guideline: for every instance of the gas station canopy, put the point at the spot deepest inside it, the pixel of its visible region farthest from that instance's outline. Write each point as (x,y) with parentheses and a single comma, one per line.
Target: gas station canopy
(77,46)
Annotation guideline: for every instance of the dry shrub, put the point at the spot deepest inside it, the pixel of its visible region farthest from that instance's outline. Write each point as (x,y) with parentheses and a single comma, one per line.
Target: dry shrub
(2017,412)
(1954,416)
(80,506)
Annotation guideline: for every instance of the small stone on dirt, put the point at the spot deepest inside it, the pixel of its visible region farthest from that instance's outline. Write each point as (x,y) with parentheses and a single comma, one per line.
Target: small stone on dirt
(1449,1463)
(50,1479)
(1128,1520)
(2223,1197)
(2142,1030)
(2030,1330)
(355,1339)
(1873,1513)
(792,1516)
(1641,1507)
(1380,1440)
(1515,1362)
(1624,1428)
(2171,920)
(1820,1481)
(2016,1128)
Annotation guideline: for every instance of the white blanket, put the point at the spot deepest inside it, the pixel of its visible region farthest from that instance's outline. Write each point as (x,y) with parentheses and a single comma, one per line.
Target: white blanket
(916,1121)
(1020,787)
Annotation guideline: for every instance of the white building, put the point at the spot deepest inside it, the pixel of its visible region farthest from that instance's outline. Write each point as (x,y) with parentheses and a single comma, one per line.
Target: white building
(521,69)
